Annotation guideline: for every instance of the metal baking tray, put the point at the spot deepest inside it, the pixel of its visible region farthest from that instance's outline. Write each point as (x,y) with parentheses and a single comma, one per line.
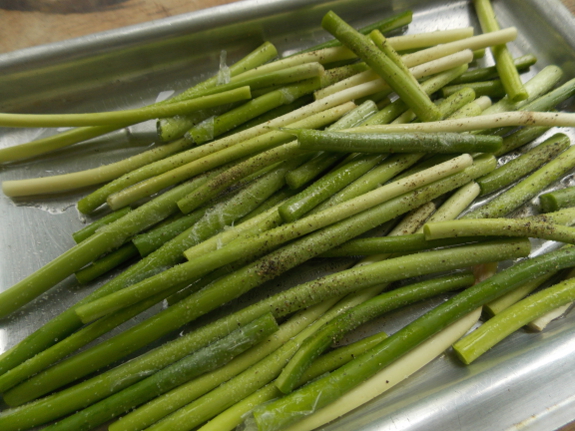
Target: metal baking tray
(526,382)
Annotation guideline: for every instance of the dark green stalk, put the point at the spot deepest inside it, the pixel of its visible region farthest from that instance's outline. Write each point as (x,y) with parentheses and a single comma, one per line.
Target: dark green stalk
(331,183)
(442,143)
(522,64)
(412,95)
(211,128)
(312,169)
(433,84)
(337,328)
(522,165)
(106,263)
(382,173)
(270,115)
(527,188)
(557,199)
(249,277)
(207,359)
(150,241)
(89,230)
(520,137)
(392,244)
(382,43)
(492,89)
(317,394)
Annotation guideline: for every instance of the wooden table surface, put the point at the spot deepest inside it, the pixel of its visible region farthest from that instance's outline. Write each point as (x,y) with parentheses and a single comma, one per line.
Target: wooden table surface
(25,23)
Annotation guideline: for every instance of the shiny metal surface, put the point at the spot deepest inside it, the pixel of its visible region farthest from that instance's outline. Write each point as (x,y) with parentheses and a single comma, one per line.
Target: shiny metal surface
(526,382)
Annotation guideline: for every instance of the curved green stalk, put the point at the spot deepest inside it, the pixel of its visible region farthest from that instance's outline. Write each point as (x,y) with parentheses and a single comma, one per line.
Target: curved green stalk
(123,118)
(90,177)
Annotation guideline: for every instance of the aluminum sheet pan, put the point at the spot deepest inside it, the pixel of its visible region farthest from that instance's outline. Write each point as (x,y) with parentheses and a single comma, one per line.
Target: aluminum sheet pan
(526,382)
